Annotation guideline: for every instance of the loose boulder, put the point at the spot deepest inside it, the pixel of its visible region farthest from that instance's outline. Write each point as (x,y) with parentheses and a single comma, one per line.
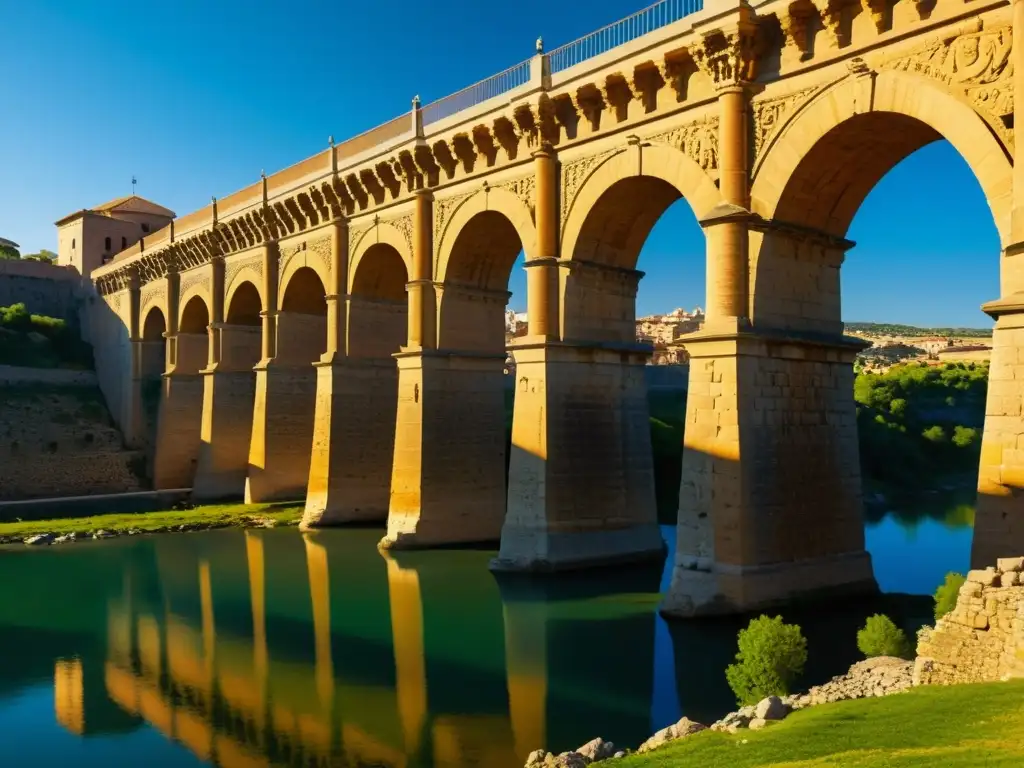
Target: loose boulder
(770,708)
(682,729)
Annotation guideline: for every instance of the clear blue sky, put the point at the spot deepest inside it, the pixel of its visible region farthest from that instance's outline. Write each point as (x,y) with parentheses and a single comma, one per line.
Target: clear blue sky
(195,97)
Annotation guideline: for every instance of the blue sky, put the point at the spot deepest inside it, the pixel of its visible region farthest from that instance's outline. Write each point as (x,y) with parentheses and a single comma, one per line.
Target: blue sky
(195,97)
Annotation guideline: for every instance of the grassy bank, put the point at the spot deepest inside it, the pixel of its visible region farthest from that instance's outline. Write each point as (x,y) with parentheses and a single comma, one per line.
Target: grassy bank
(965,725)
(210,516)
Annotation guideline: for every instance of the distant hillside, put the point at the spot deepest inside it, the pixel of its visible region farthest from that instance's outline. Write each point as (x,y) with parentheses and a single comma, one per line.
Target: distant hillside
(895,329)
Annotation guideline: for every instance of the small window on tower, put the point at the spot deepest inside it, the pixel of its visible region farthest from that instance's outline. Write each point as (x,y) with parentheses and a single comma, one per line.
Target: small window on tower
(145,227)
(124,243)
(72,243)
(106,244)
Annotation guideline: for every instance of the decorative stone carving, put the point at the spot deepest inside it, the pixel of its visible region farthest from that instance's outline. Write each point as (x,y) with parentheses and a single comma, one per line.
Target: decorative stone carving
(769,115)
(444,209)
(191,279)
(525,188)
(321,249)
(728,58)
(151,293)
(355,235)
(878,10)
(831,14)
(405,226)
(699,140)
(232,268)
(976,64)
(794,29)
(573,175)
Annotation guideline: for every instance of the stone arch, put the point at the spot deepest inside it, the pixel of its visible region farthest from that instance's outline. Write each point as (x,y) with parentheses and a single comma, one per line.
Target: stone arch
(296,262)
(378,306)
(379,234)
(303,291)
(498,201)
(919,109)
(154,324)
(244,304)
(246,274)
(475,260)
(195,315)
(607,225)
(819,169)
(191,289)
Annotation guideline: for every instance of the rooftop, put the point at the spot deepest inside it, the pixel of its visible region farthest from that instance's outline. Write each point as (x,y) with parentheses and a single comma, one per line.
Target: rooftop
(127,204)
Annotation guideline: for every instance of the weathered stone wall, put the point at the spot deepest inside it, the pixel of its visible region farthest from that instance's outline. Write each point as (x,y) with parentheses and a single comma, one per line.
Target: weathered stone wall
(44,289)
(982,639)
(58,440)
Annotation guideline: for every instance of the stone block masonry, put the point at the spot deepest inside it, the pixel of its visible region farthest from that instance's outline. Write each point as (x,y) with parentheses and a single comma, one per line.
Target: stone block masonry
(982,639)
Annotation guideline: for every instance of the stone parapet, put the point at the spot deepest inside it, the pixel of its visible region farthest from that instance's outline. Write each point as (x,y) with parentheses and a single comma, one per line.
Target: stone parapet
(982,639)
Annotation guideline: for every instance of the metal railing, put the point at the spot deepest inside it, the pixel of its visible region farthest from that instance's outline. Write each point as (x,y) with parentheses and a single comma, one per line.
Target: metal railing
(659,15)
(495,85)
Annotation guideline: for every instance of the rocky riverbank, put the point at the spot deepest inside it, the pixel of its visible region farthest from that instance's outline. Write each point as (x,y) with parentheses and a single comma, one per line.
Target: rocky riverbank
(879,676)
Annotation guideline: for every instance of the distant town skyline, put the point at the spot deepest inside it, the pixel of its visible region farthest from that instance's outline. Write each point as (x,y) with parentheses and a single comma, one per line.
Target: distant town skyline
(197,124)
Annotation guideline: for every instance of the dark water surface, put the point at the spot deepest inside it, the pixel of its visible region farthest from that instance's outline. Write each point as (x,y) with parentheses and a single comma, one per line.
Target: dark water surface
(257,648)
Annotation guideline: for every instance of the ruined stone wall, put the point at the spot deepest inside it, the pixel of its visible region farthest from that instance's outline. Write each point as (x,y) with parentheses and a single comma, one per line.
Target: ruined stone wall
(982,639)
(44,289)
(58,440)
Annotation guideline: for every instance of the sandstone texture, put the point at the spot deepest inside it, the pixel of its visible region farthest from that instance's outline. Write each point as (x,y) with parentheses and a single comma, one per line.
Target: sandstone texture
(982,639)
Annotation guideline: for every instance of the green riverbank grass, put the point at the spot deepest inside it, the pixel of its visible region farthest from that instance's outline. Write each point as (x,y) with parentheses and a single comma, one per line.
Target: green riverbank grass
(209,516)
(963,726)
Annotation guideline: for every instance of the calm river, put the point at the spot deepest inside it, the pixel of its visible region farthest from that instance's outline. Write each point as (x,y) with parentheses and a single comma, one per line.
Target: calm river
(258,648)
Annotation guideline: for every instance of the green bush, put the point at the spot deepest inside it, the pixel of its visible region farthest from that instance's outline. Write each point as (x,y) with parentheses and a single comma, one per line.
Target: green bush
(946,594)
(771,656)
(934,434)
(964,437)
(880,637)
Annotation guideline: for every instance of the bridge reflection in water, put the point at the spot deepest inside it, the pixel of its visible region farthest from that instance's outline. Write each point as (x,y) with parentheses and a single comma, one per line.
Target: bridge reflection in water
(281,650)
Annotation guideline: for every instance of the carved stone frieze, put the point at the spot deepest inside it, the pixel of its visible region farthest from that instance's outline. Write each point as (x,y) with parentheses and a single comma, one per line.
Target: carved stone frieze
(151,293)
(728,57)
(405,227)
(525,188)
(233,267)
(355,235)
(769,114)
(320,249)
(574,173)
(976,64)
(444,209)
(189,280)
(699,140)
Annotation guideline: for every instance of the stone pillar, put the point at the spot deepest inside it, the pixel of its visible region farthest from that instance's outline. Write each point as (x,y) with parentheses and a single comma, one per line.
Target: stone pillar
(229,389)
(181,405)
(134,426)
(581,474)
(999,518)
(770,498)
(448,475)
(353,435)
(284,403)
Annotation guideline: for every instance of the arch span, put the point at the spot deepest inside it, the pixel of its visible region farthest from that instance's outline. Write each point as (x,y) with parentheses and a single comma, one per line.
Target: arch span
(478,251)
(379,235)
(154,325)
(195,316)
(378,309)
(830,155)
(244,304)
(609,222)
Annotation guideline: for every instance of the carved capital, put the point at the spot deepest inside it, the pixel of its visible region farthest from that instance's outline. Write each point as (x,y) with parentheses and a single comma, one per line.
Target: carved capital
(728,57)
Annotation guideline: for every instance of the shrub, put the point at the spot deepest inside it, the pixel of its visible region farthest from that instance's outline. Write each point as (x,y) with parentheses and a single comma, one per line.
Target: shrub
(934,434)
(880,637)
(898,407)
(771,656)
(964,437)
(946,594)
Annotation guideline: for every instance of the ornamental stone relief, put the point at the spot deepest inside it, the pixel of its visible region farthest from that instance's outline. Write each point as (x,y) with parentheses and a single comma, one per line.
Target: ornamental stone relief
(525,188)
(699,140)
(976,64)
(444,209)
(151,293)
(355,235)
(405,227)
(191,279)
(232,268)
(574,173)
(321,250)
(769,115)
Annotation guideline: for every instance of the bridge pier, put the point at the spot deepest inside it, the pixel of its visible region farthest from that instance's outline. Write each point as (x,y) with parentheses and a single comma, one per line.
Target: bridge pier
(448,478)
(581,474)
(284,406)
(229,388)
(999,522)
(770,500)
(180,417)
(353,442)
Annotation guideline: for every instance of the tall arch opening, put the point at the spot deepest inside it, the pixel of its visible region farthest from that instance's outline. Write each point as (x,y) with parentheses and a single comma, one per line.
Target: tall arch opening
(357,401)
(153,351)
(859,431)
(229,398)
(282,439)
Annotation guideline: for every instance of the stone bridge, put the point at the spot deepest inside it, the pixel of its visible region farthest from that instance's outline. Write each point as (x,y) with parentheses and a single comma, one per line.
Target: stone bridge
(335,331)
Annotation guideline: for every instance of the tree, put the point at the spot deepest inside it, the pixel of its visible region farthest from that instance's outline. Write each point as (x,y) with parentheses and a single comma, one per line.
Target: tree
(964,437)
(934,434)
(44,255)
(771,656)
(880,637)
(947,593)
(9,252)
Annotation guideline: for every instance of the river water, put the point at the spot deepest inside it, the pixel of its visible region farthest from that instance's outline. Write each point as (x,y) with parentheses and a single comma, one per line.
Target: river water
(270,647)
